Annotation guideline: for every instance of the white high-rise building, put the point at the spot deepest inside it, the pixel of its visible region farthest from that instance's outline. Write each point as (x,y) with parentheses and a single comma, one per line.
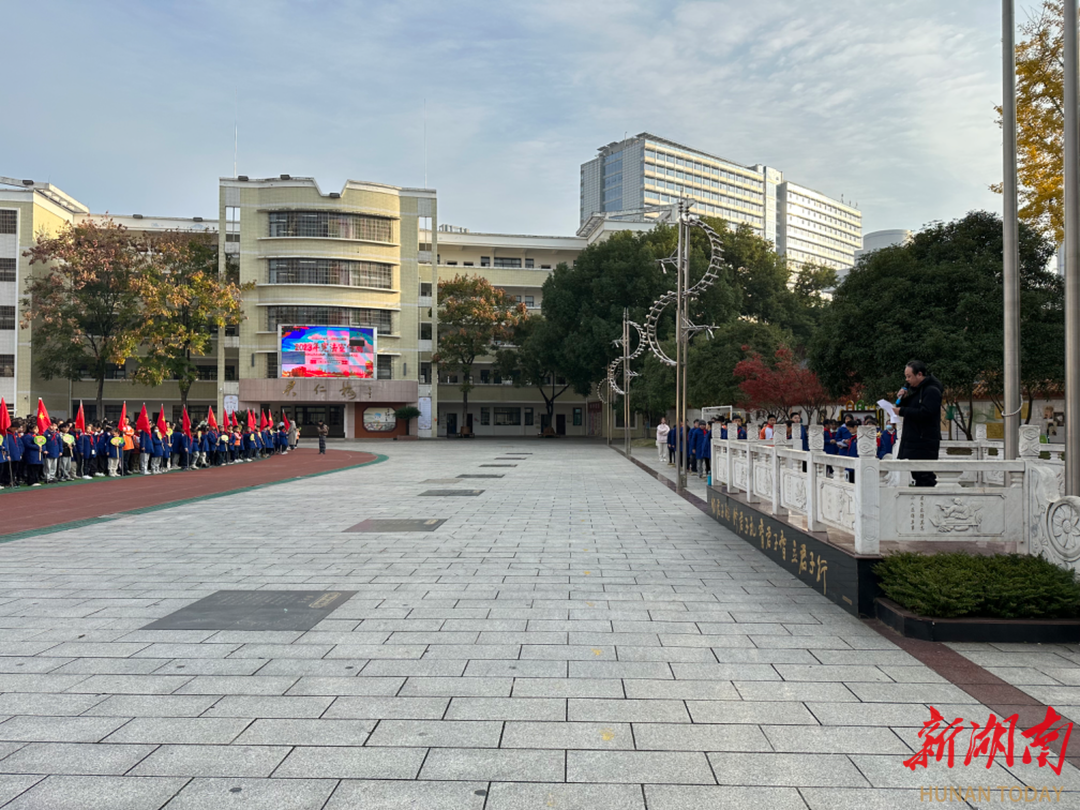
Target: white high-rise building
(646,170)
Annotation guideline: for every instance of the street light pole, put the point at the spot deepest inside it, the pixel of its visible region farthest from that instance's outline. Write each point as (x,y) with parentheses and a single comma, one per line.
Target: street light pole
(680,351)
(1011,236)
(1072,258)
(626,379)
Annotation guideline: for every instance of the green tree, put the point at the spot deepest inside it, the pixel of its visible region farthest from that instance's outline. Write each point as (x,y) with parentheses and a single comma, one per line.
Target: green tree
(939,299)
(84,303)
(537,359)
(184,302)
(474,319)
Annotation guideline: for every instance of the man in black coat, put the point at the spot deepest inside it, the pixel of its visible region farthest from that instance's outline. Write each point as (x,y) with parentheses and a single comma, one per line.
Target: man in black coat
(920,405)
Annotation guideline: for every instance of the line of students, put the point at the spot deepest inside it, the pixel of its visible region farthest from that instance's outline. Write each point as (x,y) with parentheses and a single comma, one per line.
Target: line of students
(63,453)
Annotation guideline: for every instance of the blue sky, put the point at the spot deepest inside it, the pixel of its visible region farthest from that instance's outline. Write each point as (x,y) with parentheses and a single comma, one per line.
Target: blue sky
(129,106)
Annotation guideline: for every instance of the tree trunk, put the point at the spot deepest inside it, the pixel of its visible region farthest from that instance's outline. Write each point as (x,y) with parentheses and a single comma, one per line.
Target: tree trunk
(185,389)
(100,393)
(465,375)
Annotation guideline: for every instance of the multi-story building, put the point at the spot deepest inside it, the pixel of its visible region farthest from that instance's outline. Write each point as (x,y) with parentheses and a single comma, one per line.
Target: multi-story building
(28,209)
(338,258)
(639,173)
(876,240)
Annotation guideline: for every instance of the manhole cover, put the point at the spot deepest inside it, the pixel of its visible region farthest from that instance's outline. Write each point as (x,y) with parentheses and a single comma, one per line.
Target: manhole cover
(509,458)
(395,525)
(484,475)
(440,481)
(498,465)
(254,610)
(451,492)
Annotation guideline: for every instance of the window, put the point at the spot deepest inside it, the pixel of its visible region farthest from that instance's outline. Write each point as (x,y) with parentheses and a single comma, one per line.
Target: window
(529,301)
(7,316)
(467,264)
(384,369)
(485,416)
(331,271)
(451,264)
(485,261)
(8,219)
(7,365)
(207,372)
(501,262)
(425,289)
(7,269)
(382,319)
(271,366)
(425,331)
(485,376)
(507,416)
(331,225)
(425,373)
(528,416)
(545,267)
(529,264)
(577,417)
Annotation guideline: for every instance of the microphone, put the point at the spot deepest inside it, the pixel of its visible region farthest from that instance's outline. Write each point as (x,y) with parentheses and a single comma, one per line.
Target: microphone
(905,390)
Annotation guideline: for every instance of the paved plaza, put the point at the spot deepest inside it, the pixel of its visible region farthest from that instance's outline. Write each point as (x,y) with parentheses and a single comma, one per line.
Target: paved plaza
(573,636)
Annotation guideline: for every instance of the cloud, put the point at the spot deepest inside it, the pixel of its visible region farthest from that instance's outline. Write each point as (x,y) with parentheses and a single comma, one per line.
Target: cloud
(132,109)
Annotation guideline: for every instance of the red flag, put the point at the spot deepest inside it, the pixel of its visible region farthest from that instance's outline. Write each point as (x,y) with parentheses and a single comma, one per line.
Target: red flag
(142,423)
(185,424)
(235,422)
(5,420)
(264,420)
(123,418)
(80,419)
(43,420)
(211,422)
(161,425)
(251,420)
(285,419)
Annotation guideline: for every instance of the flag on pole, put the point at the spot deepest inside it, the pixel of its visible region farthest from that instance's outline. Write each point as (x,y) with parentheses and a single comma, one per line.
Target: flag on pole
(285,419)
(5,420)
(185,424)
(211,422)
(43,420)
(161,424)
(251,420)
(123,418)
(235,421)
(142,423)
(80,419)
(262,420)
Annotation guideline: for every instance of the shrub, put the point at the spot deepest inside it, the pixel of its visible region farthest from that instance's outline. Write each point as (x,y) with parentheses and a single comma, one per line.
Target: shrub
(1002,586)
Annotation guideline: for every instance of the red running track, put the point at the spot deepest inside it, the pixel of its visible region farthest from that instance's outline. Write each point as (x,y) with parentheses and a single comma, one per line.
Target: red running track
(52,504)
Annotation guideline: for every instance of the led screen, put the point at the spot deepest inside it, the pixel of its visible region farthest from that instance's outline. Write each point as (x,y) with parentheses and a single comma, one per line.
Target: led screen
(328,351)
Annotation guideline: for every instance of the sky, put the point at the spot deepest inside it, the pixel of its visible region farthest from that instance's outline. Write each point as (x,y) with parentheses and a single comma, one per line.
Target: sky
(130,107)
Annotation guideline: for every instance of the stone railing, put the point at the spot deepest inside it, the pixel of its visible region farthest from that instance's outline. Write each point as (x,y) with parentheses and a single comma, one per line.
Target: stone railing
(979,497)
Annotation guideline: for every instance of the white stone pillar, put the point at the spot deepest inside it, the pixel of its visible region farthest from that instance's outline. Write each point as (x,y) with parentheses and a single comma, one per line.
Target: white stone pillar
(816,440)
(750,496)
(867,493)
(774,460)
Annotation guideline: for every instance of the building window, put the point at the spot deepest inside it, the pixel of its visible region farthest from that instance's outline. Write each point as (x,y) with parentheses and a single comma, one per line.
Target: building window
(425,331)
(577,417)
(7,269)
(331,271)
(425,288)
(425,373)
(7,365)
(467,264)
(7,317)
(381,319)
(485,416)
(271,366)
(485,261)
(384,369)
(529,264)
(528,416)
(331,225)
(451,264)
(8,219)
(511,263)
(507,416)
(485,377)
(529,301)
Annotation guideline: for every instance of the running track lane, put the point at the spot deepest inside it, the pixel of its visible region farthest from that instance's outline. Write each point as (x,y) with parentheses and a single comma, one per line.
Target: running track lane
(53,504)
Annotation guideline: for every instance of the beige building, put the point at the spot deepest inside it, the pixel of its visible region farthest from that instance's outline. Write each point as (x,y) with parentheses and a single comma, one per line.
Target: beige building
(27,209)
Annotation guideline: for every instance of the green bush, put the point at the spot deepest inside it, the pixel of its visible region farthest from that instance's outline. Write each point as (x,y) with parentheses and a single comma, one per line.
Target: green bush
(1003,586)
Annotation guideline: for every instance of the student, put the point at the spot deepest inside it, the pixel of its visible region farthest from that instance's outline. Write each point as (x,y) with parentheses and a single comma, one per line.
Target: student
(67,452)
(33,456)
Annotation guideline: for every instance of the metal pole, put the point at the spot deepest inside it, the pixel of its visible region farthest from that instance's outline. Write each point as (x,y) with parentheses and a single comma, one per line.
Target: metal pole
(1011,237)
(1072,260)
(626,378)
(685,338)
(680,477)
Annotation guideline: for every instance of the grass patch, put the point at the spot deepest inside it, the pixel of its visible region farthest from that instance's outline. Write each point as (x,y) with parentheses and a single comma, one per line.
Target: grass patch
(1002,586)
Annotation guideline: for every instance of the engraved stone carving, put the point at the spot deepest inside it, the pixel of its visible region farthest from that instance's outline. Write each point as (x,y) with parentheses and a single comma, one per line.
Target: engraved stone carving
(1029,441)
(816,437)
(956,516)
(1063,525)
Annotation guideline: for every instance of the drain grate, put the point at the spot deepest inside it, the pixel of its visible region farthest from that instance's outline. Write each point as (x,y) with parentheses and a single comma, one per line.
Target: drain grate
(450,492)
(254,610)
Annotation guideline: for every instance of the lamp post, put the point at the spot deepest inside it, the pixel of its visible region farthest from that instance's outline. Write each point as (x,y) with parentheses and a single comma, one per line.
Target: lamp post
(680,354)
(626,379)
(1072,258)
(1010,236)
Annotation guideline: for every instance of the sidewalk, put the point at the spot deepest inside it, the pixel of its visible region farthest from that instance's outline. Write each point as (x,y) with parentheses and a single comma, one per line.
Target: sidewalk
(573,636)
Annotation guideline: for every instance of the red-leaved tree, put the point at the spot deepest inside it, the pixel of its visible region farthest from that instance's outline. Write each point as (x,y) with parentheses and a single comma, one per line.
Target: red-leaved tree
(780,387)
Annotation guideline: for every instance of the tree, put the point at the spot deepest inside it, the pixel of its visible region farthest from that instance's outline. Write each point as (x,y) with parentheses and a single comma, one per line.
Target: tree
(406,413)
(939,299)
(184,302)
(537,360)
(84,305)
(781,386)
(1040,120)
(474,318)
